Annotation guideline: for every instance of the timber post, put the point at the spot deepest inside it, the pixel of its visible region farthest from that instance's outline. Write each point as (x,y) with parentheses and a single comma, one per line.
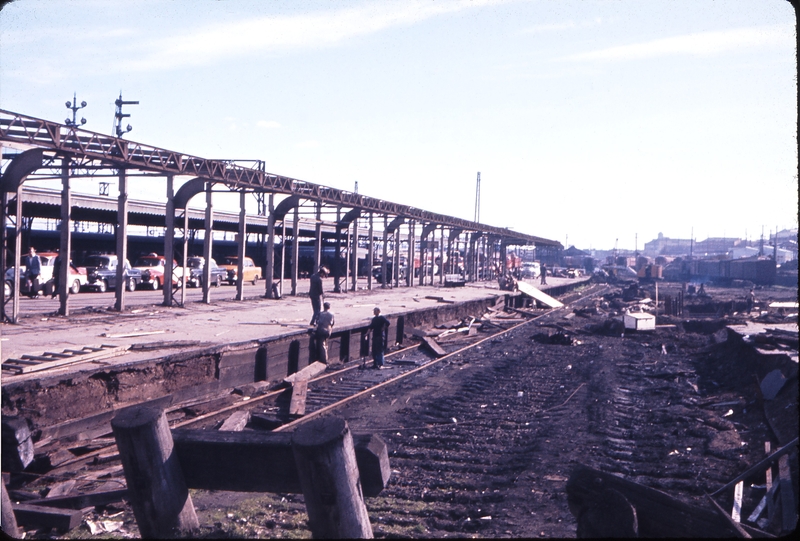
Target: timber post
(158,494)
(8,520)
(326,465)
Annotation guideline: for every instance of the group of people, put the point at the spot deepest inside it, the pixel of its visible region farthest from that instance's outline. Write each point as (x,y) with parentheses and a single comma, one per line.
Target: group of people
(323,321)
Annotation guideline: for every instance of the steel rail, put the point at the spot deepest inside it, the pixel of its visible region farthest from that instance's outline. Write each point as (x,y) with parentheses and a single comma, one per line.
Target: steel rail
(121,153)
(427,365)
(82,459)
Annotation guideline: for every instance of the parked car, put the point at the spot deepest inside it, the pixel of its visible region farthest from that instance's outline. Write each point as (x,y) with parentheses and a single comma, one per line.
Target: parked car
(77,277)
(152,267)
(377,272)
(530,270)
(574,273)
(195,267)
(102,272)
(251,272)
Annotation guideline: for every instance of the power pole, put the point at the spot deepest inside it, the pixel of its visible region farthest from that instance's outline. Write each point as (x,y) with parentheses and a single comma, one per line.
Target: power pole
(478,199)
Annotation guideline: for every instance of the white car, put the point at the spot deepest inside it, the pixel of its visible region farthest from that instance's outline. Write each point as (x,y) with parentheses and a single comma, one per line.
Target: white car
(77,276)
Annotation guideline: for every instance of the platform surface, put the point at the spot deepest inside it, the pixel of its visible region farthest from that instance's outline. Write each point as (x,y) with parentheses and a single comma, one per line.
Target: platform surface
(223,321)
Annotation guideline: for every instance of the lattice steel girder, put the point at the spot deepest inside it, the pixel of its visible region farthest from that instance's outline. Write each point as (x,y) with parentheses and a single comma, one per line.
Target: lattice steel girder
(67,140)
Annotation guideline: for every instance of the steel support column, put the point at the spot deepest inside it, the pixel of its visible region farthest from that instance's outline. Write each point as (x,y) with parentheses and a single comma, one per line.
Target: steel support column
(385,279)
(354,271)
(208,242)
(65,240)
(283,252)
(169,243)
(371,252)
(338,253)
(410,277)
(269,273)
(318,238)
(185,261)
(122,239)
(396,269)
(295,248)
(240,248)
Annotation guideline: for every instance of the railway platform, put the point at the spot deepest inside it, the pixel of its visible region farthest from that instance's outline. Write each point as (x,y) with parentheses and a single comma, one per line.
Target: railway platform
(145,332)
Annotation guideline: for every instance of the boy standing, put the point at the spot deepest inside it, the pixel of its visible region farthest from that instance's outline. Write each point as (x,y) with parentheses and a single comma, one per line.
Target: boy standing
(380,334)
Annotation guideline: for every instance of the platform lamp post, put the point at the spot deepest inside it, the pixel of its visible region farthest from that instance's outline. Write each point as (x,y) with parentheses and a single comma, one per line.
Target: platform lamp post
(65,237)
(75,108)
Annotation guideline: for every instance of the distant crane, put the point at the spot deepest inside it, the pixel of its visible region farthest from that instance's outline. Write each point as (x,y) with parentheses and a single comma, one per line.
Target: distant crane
(478,199)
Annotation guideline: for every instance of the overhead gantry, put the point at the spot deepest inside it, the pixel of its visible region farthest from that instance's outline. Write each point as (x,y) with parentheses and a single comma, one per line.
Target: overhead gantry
(69,152)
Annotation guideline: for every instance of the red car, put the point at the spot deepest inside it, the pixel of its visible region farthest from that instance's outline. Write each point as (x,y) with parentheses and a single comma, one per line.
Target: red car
(152,267)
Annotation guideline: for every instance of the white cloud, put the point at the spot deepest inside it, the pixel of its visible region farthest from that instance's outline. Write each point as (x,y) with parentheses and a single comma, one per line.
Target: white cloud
(700,44)
(308,144)
(557,27)
(322,29)
(268,124)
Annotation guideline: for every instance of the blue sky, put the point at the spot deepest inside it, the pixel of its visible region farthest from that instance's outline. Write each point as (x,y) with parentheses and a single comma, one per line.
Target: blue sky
(590,121)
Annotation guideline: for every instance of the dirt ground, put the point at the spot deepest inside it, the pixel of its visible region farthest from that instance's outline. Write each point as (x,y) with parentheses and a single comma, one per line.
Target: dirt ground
(482,444)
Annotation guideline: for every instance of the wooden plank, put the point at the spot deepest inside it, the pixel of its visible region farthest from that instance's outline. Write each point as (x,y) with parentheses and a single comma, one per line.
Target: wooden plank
(39,516)
(539,295)
(238,357)
(770,502)
(736,526)
(82,501)
(237,421)
(759,466)
(309,372)
(17,444)
(297,405)
(252,461)
(436,348)
(61,489)
(233,376)
(736,512)
(788,509)
(89,353)
(37,358)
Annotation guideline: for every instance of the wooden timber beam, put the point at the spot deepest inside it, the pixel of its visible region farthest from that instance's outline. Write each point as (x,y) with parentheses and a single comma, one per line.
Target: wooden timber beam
(263,461)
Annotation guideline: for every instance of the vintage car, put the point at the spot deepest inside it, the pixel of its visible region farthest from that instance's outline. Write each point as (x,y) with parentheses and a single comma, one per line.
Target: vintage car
(152,267)
(195,267)
(251,272)
(530,270)
(102,272)
(77,277)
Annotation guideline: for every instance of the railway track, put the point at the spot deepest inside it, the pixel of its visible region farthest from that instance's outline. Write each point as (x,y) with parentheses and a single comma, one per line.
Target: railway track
(326,392)
(483,439)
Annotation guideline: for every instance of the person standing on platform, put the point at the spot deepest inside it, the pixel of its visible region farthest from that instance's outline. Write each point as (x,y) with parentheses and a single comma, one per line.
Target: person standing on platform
(323,332)
(56,276)
(34,269)
(380,337)
(316,293)
(751,300)
(544,274)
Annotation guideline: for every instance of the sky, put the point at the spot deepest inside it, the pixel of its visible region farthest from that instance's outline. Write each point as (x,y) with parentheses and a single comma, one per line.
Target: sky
(593,123)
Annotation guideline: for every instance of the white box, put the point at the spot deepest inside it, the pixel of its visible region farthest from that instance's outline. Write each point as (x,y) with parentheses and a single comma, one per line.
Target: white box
(640,321)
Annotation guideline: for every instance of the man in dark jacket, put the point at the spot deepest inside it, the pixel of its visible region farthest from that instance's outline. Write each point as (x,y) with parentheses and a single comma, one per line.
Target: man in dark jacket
(34,269)
(316,293)
(380,336)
